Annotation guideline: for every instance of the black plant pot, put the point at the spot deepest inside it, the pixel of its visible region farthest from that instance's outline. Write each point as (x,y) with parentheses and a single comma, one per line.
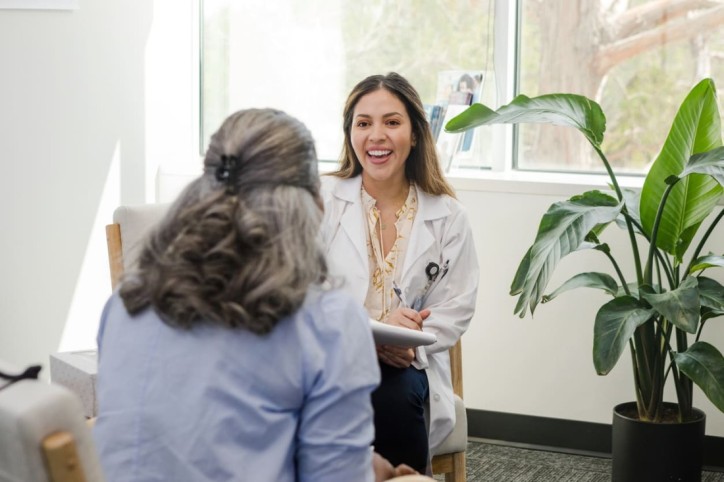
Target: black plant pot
(656,452)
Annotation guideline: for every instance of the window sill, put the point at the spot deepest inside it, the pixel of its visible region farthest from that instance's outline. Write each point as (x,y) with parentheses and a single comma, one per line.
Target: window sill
(529,182)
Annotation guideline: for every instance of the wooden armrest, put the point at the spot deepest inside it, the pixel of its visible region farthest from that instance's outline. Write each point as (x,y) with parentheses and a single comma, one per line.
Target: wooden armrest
(61,458)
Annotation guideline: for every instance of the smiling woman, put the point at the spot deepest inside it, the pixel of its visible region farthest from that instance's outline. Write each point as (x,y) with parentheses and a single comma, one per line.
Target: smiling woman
(390,205)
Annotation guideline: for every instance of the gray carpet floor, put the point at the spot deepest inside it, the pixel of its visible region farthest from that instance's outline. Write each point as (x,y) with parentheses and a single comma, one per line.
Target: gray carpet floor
(491,462)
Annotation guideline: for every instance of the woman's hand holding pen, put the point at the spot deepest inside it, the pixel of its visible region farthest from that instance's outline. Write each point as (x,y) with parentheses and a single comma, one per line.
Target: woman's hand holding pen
(407,318)
(398,356)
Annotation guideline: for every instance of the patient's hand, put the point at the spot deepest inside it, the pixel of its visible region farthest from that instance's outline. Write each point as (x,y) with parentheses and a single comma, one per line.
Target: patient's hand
(385,471)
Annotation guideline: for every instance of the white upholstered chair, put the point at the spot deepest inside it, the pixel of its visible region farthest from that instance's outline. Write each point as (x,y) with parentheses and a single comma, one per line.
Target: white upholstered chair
(44,436)
(126,234)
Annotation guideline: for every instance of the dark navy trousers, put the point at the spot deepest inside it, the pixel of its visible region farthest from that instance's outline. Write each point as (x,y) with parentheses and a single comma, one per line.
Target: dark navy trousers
(399,405)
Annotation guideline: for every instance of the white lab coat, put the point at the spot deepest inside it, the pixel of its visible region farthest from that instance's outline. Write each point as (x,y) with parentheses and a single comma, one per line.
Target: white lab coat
(440,232)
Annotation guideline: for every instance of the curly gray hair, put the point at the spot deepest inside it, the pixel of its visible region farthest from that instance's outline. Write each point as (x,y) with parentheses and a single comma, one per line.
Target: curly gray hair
(239,247)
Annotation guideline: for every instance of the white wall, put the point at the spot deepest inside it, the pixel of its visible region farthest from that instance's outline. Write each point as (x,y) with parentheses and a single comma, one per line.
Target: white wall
(94,100)
(72,94)
(85,120)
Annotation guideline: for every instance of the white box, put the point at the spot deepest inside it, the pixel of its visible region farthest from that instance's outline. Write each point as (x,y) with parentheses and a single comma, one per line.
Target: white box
(77,371)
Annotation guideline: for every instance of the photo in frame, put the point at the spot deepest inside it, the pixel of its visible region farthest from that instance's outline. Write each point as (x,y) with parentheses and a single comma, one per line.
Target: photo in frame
(456,90)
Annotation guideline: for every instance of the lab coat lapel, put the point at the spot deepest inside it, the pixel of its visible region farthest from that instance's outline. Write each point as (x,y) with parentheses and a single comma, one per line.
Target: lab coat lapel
(422,238)
(352,220)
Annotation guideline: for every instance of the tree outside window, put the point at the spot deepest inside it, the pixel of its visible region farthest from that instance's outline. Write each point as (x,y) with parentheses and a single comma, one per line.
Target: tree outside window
(638,59)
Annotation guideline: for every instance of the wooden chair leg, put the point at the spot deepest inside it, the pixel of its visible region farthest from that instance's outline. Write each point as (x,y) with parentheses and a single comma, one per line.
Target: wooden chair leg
(457,474)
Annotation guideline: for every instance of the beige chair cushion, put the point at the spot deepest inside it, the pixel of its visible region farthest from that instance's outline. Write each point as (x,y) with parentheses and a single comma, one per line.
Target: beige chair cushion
(30,410)
(457,441)
(136,222)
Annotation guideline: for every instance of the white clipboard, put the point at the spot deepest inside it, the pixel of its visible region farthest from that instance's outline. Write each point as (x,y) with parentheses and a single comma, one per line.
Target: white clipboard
(385,334)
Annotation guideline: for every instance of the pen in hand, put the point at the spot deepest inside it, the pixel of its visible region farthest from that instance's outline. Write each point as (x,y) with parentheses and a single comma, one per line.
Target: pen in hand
(405,304)
(400,295)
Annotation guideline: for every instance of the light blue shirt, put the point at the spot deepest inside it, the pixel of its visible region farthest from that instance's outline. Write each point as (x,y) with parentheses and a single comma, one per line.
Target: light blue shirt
(215,404)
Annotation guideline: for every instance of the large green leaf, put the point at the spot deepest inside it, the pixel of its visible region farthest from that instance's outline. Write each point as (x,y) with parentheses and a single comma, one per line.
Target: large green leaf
(518,283)
(680,306)
(711,293)
(562,230)
(567,110)
(696,129)
(705,262)
(601,281)
(709,162)
(633,289)
(704,364)
(615,323)
(708,313)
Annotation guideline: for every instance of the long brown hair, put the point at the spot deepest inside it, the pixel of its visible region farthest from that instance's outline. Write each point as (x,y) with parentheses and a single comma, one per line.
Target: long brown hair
(239,246)
(422,166)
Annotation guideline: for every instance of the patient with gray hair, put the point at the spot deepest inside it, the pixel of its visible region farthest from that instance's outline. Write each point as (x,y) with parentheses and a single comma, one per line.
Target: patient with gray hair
(222,356)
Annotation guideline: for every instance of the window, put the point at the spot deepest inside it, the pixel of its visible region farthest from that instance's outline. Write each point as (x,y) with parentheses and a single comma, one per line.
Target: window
(638,59)
(304,56)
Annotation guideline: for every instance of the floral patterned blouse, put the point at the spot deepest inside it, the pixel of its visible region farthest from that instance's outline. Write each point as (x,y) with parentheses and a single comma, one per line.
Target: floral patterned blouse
(381,299)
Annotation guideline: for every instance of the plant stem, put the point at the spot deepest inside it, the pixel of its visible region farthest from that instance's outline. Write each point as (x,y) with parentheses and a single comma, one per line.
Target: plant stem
(634,249)
(657,387)
(683,392)
(618,272)
(700,246)
(643,343)
(610,172)
(654,232)
(637,379)
(701,328)
(668,269)
(627,217)
(687,385)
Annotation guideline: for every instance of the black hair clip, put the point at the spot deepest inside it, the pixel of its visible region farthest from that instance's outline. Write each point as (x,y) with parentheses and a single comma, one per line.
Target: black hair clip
(226,172)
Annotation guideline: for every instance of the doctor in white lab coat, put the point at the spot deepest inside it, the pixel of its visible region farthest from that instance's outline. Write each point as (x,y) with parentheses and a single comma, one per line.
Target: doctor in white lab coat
(390,175)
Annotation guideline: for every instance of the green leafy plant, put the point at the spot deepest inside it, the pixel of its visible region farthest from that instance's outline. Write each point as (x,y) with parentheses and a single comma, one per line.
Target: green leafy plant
(667,299)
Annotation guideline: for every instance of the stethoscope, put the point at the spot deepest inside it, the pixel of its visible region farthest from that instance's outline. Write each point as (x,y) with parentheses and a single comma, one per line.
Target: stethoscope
(432,271)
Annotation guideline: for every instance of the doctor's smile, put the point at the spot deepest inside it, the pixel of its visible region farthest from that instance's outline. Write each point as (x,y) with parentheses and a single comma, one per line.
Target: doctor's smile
(379,156)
